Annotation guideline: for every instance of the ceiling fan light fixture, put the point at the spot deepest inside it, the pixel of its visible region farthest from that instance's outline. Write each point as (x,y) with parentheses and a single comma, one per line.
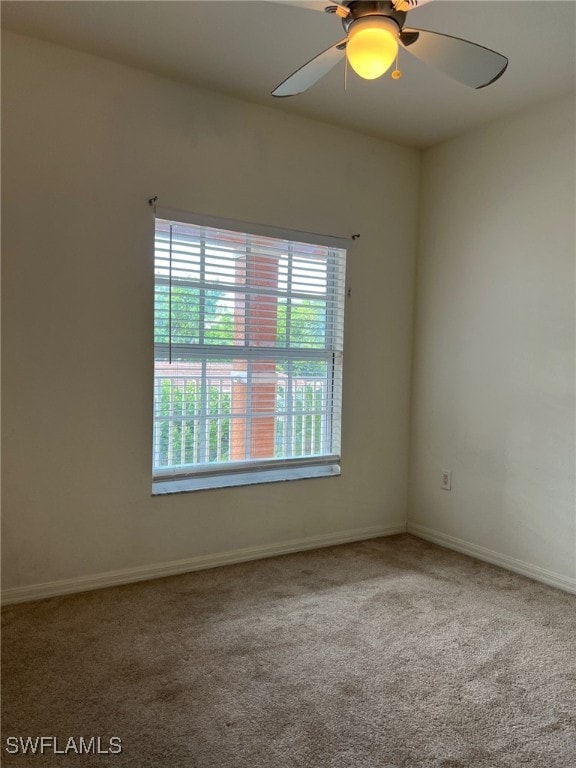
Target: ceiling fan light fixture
(372,46)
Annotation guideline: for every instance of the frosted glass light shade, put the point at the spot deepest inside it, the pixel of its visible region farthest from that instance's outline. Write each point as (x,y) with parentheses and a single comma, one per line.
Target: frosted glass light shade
(372,46)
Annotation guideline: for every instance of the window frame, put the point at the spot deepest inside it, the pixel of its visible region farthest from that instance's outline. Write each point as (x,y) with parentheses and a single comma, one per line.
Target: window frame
(203,476)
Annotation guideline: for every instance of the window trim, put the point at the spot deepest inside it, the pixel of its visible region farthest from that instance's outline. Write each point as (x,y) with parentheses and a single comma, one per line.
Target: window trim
(162,487)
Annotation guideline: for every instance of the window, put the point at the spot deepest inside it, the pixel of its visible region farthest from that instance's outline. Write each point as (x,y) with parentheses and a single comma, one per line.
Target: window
(248,332)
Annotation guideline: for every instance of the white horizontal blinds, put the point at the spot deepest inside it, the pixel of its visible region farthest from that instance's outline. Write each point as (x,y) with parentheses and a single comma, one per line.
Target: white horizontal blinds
(248,350)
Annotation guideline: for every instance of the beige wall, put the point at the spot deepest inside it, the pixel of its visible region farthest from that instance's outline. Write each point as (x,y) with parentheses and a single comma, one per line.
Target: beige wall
(494,390)
(85,143)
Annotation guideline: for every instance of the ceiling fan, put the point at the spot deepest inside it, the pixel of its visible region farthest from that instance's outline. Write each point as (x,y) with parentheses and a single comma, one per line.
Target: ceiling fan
(374,31)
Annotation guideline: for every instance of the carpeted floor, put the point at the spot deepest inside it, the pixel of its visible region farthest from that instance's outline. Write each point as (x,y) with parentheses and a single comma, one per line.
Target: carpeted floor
(390,653)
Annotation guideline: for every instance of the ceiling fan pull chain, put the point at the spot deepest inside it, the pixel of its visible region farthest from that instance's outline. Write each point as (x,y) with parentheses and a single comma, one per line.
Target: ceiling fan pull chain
(397,74)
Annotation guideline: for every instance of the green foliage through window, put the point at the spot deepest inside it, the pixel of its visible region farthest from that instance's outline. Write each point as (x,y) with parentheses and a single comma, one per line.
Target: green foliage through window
(179,422)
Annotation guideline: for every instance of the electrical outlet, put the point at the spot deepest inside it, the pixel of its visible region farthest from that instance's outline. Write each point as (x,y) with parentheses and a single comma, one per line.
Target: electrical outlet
(446,482)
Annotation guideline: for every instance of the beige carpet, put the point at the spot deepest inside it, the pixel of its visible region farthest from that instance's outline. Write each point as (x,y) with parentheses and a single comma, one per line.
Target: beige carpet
(390,653)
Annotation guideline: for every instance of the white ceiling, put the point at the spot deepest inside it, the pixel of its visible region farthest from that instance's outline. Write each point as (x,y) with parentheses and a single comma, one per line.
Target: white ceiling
(245,48)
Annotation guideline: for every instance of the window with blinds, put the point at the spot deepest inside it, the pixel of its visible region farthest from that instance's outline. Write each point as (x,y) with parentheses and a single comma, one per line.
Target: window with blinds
(248,340)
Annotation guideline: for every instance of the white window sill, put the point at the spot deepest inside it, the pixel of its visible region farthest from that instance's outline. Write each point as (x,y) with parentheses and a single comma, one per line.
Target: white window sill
(184,485)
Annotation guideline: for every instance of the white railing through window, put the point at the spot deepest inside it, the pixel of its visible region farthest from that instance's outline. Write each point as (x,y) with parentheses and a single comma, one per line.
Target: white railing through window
(193,418)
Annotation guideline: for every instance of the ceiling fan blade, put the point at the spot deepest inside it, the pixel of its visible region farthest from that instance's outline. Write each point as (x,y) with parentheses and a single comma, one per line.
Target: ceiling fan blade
(311,72)
(467,62)
(311,5)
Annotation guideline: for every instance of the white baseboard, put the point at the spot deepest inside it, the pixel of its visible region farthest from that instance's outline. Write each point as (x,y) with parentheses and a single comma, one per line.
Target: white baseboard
(200,562)
(496,558)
